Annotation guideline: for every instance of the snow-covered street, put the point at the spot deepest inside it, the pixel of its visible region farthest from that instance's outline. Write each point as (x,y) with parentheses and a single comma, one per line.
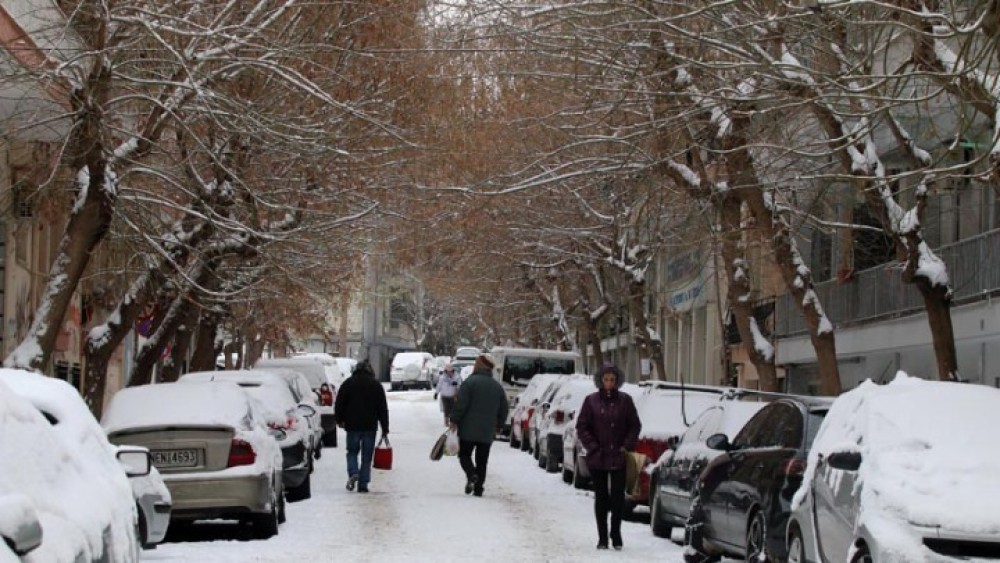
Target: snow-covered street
(418,511)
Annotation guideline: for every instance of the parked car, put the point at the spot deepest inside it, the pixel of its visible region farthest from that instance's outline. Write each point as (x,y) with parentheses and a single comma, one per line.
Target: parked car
(559,415)
(152,498)
(902,472)
(524,407)
(64,495)
(211,445)
(743,497)
(574,455)
(666,410)
(299,386)
(282,412)
(544,402)
(673,476)
(411,369)
(467,353)
(316,373)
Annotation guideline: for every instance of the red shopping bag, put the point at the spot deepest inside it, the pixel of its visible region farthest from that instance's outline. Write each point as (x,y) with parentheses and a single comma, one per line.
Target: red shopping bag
(383,454)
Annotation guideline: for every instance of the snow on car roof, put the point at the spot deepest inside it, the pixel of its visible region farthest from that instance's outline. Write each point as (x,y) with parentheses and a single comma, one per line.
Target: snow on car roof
(928,449)
(661,413)
(67,471)
(268,388)
(216,403)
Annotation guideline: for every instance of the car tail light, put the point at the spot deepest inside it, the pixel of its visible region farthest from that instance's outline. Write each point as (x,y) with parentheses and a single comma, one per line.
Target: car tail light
(652,449)
(288,424)
(559,417)
(526,423)
(240,453)
(793,467)
(326,400)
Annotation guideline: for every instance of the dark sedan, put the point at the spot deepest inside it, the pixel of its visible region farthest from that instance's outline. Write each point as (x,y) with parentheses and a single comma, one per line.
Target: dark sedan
(743,498)
(674,479)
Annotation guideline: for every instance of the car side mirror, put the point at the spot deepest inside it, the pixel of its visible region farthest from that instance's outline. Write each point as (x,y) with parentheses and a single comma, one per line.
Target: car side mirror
(20,527)
(135,460)
(719,442)
(544,406)
(672,442)
(306,410)
(845,461)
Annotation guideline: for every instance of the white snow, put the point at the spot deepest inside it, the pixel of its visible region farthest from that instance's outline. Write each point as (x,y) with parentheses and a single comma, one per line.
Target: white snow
(929,457)
(418,511)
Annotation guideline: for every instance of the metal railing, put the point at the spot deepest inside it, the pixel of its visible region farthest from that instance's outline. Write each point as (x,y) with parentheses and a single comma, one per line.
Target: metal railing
(973,271)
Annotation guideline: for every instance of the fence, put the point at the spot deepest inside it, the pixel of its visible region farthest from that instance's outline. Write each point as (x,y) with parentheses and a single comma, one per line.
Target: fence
(973,271)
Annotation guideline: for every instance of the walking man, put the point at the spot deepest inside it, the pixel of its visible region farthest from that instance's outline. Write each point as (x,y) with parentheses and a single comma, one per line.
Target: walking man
(447,388)
(480,410)
(360,408)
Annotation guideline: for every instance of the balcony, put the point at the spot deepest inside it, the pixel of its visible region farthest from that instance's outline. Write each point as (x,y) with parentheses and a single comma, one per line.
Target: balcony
(973,268)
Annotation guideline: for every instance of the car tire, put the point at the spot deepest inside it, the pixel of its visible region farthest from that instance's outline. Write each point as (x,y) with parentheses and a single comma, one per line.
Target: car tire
(551,463)
(756,539)
(579,482)
(513,442)
(567,476)
(330,438)
(796,547)
(142,531)
(265,525)
(656,524)
(862,555)
(301,492)
(282,516)
(524,443)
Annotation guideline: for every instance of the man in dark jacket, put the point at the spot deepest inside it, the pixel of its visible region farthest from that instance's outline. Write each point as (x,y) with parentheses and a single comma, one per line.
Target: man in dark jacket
(608,427)
(360,408)
(480,410)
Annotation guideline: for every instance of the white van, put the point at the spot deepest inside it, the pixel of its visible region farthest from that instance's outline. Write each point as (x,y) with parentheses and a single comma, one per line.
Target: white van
(514,368)
(411,369)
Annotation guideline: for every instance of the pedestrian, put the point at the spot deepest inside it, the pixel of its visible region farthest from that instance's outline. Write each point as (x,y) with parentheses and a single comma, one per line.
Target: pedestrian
(360,409)
(447,389)
(325,395)
(608,427)
(479,412)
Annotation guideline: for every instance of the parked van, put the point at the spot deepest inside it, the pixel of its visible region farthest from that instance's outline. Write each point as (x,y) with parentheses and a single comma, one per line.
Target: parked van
(514,368)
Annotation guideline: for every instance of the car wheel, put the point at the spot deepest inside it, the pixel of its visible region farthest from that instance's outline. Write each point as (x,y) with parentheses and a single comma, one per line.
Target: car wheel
(266,525)
(796,547)
(862,555)
(141,531)
(282,517)
(567,476)
(524,443)
(656,524)
(551,463)
(578,480)
(514,443)
(301,492)
(757,539)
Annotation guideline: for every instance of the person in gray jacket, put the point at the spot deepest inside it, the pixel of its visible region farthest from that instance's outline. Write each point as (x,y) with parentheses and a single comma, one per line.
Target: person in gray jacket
(480,410)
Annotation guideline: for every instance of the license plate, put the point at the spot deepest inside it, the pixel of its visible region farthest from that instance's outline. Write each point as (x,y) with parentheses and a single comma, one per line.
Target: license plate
(175,458)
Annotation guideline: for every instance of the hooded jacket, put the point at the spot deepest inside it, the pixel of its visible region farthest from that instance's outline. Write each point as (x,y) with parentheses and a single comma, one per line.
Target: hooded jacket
(608,424)
(361,404)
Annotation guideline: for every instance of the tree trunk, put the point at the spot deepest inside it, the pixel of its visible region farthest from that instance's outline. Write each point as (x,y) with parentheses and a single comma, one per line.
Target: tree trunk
(204,355)
(174,366)
(652,348)
(738,294)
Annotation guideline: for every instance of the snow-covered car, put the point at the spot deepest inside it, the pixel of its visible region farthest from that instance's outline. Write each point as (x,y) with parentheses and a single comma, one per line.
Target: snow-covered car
(60,471)
(467,353)
(316,373)
(534,421)
(410,369)
(902,472)
(524,408)
(674,474)
(299,386)
(151,495)
(560,414)
(212,447)
(284,413)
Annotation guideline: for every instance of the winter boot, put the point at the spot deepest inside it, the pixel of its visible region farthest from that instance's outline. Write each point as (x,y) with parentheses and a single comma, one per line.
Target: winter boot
(470,485)
(351,482)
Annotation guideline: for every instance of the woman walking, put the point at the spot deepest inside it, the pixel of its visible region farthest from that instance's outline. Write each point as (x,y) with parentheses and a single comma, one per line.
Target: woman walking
(608,427)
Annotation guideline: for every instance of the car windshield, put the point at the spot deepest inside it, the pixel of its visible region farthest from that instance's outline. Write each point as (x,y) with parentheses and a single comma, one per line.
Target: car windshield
(519,370)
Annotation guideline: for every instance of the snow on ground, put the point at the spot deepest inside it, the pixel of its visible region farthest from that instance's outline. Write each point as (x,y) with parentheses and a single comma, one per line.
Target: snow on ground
(418,511)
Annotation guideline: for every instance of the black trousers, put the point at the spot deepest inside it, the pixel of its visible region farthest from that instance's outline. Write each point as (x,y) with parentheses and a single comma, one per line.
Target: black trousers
(609,495)
(482,453)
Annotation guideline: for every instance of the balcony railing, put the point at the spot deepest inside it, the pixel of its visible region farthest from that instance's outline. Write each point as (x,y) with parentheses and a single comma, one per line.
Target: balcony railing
(973,270)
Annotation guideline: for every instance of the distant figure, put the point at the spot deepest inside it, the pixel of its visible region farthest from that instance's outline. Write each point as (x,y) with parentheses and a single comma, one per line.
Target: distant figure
(608,427)
(447,389)
(325,395)
(360,408)
(479,412)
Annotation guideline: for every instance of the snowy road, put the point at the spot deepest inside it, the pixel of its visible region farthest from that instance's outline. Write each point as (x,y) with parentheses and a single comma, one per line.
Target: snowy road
(418,511)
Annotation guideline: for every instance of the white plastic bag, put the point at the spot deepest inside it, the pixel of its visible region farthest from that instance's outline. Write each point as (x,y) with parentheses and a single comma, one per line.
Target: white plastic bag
(451,443)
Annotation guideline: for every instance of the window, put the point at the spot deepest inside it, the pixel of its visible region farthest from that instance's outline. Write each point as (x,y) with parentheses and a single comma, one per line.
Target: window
(757,430)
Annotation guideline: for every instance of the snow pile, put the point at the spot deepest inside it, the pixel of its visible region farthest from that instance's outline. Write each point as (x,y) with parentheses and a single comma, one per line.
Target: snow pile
(928,456)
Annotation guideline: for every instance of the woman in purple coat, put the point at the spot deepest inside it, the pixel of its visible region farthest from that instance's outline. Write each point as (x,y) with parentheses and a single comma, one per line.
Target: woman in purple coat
(608,427)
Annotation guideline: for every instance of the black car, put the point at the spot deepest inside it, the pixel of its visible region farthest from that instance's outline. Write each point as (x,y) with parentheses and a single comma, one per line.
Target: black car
(743,498)
(673,481)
